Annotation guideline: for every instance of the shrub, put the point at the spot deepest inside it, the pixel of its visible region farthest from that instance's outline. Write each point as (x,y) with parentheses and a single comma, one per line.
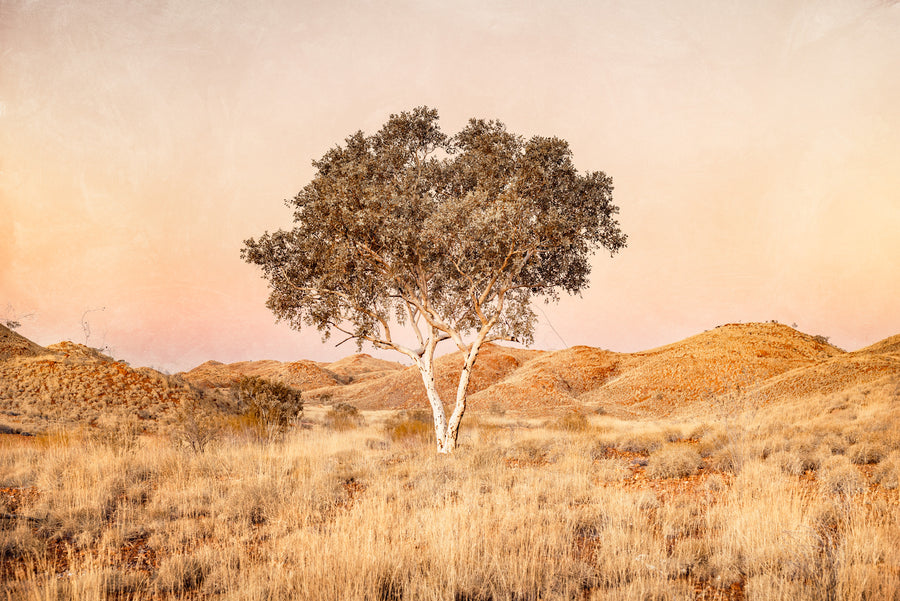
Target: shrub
(640,442)
(573,421)
(268,407)
(196,425)
(838,476)
(120,438)
(411,427)
(863,453)
(181,574)
(343,416)
(835,444)
(673,461)
(888,472)
(711,440)
(610,470)
(532,451)
(713,484)
(788,462)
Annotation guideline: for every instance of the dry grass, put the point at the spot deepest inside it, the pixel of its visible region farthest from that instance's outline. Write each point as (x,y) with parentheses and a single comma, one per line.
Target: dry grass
(610,509)
(674,461)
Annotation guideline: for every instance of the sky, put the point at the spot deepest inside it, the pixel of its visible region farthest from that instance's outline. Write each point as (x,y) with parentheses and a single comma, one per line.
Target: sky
(754,147)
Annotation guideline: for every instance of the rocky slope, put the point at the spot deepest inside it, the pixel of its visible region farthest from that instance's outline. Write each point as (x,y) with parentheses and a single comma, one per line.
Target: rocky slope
(66,383)
(403,389)
(305,375)
(760,364)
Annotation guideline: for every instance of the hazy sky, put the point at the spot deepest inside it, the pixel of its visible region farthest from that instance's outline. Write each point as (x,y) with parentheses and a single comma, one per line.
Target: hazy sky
(755,149)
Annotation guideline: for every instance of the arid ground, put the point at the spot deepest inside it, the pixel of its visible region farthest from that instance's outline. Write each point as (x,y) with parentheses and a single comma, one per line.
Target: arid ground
(751,461)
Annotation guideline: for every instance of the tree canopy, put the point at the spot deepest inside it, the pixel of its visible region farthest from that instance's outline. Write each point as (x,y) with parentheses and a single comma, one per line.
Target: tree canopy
(448,236)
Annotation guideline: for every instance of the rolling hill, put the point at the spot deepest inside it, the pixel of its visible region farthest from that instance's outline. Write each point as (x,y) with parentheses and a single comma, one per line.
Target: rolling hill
(68,383)
(760,363)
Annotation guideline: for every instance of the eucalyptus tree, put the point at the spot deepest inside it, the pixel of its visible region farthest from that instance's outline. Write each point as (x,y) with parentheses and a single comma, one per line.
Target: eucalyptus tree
(442,237)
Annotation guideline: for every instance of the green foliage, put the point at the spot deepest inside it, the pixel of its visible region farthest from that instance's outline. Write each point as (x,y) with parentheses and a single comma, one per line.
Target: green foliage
(268,405)
(460,230)
(447,235)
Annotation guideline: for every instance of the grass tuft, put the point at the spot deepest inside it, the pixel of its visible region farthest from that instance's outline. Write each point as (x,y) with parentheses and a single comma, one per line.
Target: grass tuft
(674,461)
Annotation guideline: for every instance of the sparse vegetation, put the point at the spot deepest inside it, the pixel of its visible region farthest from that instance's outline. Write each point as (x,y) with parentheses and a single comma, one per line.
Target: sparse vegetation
(196,425)
(344,416)
(267,407)
(410,427)
(572,421)
(351,520)
(789,499)
(888,473)
(673,461)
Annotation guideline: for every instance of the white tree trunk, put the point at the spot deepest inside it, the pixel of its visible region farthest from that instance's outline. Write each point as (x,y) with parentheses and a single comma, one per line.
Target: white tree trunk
(426,370)
(462,392)
(446,433)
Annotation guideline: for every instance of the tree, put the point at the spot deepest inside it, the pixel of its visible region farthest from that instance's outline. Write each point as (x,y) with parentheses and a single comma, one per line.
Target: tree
(450,237)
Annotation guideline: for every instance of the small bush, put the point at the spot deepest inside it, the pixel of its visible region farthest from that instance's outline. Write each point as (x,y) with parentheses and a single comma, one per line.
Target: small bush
(863,453)
(121,438)
(410,427)
(610,470)
(573,421)
(788,462)
(711,441)
(18,543)
(343,416)
(268,407)
(195,426)
(733,456)
(888,472)
(181,573)
(640,442)
(713,484)
(838,476)
(531,451)
(691,557)
(673,461)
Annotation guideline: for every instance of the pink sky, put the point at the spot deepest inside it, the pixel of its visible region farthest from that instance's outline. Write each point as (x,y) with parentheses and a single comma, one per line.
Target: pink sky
(755,148)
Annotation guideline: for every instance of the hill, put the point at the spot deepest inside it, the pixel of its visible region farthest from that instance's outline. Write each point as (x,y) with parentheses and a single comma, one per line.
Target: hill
(551,380)
(304,375)
(299,374)
(69,383)
(727,360)
(835,375)
(768,361)
(888,346)
(762,364)
(362,367)
(403,389)
(16,345)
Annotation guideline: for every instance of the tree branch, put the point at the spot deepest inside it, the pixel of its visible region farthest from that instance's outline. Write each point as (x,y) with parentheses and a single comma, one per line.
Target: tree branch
(346,298)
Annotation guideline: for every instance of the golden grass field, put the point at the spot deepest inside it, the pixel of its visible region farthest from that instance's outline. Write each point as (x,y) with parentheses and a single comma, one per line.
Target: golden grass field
(782,487)
(799,503)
